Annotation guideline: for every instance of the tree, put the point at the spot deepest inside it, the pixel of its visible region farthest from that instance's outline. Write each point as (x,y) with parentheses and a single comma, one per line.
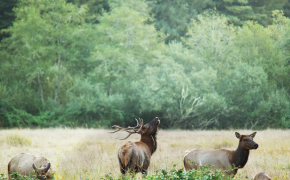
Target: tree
(126,44)
(7,15)
(95,8)
(239,11)
(45,44)
(199,104)
(260,46)
(210,38)
(243,88)
(173,16)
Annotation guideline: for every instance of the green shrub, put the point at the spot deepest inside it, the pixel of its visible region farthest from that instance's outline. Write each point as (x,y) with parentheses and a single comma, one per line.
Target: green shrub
(15,176)
(205,173)
(13,117)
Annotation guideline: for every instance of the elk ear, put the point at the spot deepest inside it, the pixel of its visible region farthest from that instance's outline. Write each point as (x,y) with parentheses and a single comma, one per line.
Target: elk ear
(253,134)
(47,168)
(238,135)
(33,166)
(144,129)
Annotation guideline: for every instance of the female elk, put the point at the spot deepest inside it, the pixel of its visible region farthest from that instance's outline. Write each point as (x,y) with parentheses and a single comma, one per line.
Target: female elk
(262,176)
(135,156)
(222,158)
(28,164)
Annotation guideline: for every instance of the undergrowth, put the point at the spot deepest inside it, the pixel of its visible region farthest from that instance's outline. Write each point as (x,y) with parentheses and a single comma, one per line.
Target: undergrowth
(15,176)
(205,173)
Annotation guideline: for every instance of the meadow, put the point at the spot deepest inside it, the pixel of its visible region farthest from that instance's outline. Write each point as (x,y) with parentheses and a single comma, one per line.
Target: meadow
(92,153)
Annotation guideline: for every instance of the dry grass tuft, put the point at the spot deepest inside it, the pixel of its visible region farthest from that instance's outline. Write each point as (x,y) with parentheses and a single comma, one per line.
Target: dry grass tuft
(92,153)
(15,139)
(223,144)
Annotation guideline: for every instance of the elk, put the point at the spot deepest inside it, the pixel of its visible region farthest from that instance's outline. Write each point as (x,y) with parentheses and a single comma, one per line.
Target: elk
(262,176)
(222,158)
(135,157)
(27,164)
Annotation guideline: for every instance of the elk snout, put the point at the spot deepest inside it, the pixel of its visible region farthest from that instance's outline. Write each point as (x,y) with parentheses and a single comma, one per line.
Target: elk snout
(158,120)
(256,146)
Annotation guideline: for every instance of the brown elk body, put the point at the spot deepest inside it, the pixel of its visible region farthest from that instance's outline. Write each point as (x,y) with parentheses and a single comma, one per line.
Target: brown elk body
(222,158)
(26,164)
(135,156)
(262,176)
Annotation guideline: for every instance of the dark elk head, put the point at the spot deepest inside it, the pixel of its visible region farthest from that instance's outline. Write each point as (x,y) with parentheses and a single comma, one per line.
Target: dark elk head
(150,128)
(247,142)
(42,172)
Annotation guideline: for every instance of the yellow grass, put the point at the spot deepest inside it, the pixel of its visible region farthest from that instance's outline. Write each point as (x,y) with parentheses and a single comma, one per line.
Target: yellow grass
(92,153)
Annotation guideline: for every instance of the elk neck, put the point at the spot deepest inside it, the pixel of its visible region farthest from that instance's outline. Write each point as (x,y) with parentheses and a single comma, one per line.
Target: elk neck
(150,141)
(240,157)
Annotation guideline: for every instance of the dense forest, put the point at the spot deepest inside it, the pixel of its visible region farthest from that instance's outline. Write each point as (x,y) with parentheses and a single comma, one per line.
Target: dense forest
(211,64)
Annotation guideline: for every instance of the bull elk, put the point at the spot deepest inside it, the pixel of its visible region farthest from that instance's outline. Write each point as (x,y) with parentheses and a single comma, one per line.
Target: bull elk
(135,156)
(222,158)
(27,164)
(262,176)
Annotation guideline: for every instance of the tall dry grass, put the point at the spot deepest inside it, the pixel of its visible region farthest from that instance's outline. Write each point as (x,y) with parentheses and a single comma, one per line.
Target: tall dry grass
(91,153)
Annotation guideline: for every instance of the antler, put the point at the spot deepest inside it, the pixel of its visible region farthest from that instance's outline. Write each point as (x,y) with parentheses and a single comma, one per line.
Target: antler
(139,125)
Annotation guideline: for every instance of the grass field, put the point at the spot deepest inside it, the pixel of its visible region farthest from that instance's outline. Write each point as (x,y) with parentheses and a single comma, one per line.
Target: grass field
(92,153)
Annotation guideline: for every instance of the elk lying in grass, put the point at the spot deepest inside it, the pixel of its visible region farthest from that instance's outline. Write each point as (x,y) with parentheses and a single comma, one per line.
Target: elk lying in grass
(135,156)
(27,164)
(222,158)
(262,176)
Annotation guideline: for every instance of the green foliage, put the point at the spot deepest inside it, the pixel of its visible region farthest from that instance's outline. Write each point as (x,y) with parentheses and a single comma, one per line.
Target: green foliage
(7,15)
(95,8)
(173,16)
(275,111)
(121,56)
(257,47)
(211,38)
(15,176)
(239,11)
(243,88)
(95,63)
(12,117)
(89,105)
(49,48)
(204,173)
(160,89)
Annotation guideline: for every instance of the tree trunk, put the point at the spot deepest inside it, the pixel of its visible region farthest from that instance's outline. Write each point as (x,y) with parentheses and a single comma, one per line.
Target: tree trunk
(57,79)
(40,85)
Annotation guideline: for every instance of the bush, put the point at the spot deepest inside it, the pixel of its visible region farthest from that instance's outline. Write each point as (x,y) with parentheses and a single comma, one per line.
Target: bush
(13,117)
(15,176)
(205,173)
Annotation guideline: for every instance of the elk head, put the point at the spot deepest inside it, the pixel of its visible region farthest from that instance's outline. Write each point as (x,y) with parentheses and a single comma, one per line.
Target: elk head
(247,142)
(42,172)
(150,128)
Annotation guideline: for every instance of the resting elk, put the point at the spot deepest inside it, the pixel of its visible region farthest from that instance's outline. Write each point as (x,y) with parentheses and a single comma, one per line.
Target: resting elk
(262,176)
(222,158)
(27,164)
(135,157)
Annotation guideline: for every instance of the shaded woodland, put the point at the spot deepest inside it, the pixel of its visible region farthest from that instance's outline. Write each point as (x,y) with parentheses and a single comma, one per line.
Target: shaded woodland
(213,64)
